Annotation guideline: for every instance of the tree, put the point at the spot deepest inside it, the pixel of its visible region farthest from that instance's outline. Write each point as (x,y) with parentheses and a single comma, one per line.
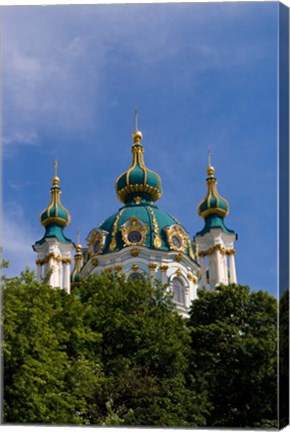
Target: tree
(284,359)
(113,352)
(145,351)
(234,348)
(49,373)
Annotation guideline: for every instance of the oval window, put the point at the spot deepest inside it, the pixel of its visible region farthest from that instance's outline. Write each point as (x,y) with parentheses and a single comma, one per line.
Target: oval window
(134,236)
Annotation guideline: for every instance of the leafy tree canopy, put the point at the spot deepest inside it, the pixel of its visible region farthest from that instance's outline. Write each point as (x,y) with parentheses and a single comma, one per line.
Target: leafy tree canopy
(116,352)
(234,348)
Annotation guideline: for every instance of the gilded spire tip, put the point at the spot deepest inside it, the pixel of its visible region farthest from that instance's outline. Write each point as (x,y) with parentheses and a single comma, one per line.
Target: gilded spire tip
(55,180)
(210,169)
(137,135)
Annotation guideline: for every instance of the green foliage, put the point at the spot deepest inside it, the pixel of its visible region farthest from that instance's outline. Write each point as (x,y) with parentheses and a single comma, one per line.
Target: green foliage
(45,345)
(115,352)
(144,354)
(234,348)
(284,359)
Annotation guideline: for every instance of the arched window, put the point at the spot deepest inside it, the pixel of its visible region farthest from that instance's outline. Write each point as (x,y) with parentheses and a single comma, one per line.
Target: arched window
(178,291)
(135,276)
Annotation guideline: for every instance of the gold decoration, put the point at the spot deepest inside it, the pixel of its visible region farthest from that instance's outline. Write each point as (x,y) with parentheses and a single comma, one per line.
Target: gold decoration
(179,257)
(137,200)
(134,224)
(178,272)
(163,267)
(96,235)
(118,268)
(113,243)
(177,231)
(134,252)
(135,267)
(131,188)
(95,262)
(157,240)
(152,266)
(57,258)
(190,276)
(214,248)
(108,269)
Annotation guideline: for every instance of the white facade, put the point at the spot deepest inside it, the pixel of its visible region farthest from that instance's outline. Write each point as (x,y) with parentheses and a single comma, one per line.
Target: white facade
(216,252)
(167,267)
(54,259)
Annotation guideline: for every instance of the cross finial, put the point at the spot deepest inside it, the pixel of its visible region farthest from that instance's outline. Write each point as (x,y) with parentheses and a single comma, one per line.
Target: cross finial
(55,168)
(209,157)
(78,236)
(136,119)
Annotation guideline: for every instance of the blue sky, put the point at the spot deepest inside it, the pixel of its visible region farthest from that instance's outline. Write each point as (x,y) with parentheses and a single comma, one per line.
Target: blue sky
(202,75)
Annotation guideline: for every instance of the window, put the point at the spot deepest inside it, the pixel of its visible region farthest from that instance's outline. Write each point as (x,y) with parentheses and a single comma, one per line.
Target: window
(135,276)
(178,291)
(134,236)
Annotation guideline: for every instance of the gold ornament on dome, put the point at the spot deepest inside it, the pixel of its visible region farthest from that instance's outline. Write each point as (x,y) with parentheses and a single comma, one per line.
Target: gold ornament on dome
(134,232)
(177,238)
(157,240)
(113,243)
(96,242)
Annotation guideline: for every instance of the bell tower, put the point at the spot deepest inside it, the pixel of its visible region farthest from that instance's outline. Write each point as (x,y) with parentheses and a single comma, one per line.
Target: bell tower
(54,249)
(215,241)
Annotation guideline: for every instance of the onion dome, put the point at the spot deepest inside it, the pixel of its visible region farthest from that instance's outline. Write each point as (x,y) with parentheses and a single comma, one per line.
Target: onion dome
(213,208)
(213,203)
(55,213)
(55,217)
(138,184)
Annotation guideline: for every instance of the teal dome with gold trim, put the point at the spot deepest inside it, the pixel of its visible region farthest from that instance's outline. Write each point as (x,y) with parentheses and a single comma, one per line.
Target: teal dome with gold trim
(213,208)
(139,222)
(213,203)
(139,183)
(55,217)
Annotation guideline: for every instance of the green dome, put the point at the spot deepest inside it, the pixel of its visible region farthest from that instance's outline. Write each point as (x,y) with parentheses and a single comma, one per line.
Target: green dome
(213,203)
(55,213)
(144,225)
(138,184)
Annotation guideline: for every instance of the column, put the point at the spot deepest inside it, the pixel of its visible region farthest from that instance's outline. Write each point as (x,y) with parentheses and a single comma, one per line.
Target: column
(163,269)
(66,282)
(233,276)
(218,268)
(203,272)
(39,271)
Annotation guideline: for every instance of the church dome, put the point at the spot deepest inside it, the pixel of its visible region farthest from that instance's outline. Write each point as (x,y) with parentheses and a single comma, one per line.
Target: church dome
(144,225)
(213,203)
(55,213)
(138,184)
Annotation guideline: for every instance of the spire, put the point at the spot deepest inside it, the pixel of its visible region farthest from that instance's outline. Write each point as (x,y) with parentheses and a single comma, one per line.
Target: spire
(137,135)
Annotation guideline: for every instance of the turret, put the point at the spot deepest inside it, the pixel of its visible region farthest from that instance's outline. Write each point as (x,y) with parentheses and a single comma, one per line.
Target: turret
(54,249)
(215,241)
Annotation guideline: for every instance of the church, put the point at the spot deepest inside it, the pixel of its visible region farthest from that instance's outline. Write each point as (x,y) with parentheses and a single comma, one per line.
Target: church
(140,240)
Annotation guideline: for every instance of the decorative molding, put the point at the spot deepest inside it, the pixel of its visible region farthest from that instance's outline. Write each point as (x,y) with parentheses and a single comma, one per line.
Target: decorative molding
(163,267)
(134,252)
(219,248)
